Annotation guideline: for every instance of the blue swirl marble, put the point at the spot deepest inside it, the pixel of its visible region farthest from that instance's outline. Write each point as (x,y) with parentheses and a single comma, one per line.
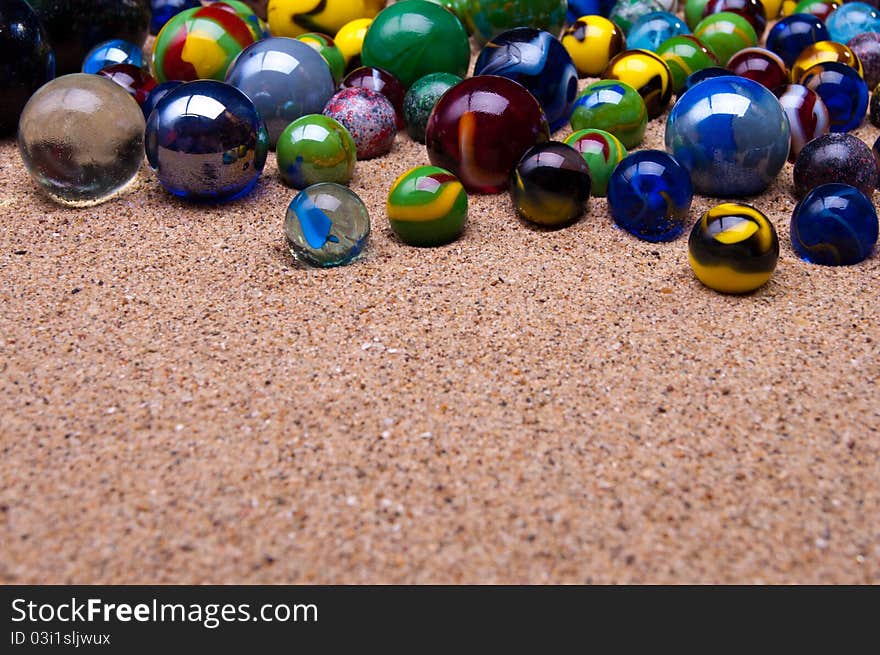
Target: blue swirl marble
(788,37)
(538,61)
(649,195)
(326,224)
(115,51)
(834,225)
(852,19)
(843,91)
(731,134)
(652,29)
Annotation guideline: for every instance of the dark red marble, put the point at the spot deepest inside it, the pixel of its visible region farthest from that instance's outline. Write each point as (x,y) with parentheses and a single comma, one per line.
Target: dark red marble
(760,65)
(481,128)
(380,81)
(136,81)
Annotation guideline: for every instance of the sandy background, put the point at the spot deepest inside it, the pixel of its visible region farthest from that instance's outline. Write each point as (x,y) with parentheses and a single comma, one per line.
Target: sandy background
(181,402)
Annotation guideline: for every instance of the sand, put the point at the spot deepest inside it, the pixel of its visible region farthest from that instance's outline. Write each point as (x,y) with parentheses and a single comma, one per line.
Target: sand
(181,402)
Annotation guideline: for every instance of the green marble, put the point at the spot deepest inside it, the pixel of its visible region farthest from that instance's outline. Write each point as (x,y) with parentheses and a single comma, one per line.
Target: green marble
(685,54)
(427,206)
(486,19)
(421,99)
(412,38)
(725,34)
(612,106)
(315,148)
(325,47)
(693,12)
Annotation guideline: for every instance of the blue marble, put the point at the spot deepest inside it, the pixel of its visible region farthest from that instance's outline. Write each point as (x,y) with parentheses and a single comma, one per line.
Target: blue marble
(702,75)
(650,195)
(326,225)
(538,61)
(116,51)
(792,34)
(156,95)
(834,225)
(843,91)
(206,140)
(649,31)
(852,19)
(165,10)
(578,8)
(285,78)
(731,134)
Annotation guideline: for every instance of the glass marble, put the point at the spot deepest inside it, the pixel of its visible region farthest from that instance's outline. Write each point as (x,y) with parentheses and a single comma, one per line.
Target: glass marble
(156,94)
(685,55)
(592,41)
(647,73)
(285,79)
(579,8)
(205,140)
(626,12)
(807,115)
(327,48)
(487,19)
(851,19)
(733,248)
(821,52)
(693,12)
(368,116)
(199,43)
(538,61)
(751,10)
(258,28)
(839,158)
(821,9)
(315,148)
(115,51)
(843,91)
(650,195)
(725,34)
(326,225)
(81,139)
(380,81)
(28,61)
(834,225)
(164,10)
(760,65)
(602,151)
(295,17)
(420,100)
(76,26)
(137,82)
(866,48)
(412,38)
(731,134)
(350,41)
(649,31)
(551,184)
(702,75)
(791,35)
(427,206)
(480,129)
(614,107)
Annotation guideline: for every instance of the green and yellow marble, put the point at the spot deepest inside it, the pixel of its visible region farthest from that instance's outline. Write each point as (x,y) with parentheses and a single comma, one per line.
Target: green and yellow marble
(427,206)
